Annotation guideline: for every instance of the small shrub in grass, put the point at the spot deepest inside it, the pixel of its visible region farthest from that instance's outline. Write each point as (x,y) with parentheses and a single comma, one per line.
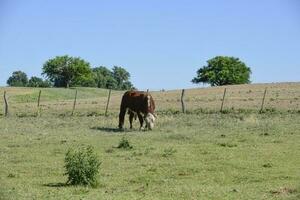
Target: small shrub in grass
(124,144)
(223,144)
(269,111)
(11,175)
(267,165)
(226,111)
(82,166)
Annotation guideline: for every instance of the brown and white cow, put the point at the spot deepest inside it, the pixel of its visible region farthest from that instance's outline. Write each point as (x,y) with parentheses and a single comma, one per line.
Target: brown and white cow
(137,103)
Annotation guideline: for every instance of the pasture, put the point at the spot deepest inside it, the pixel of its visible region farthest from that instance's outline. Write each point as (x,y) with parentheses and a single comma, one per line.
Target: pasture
(203,154)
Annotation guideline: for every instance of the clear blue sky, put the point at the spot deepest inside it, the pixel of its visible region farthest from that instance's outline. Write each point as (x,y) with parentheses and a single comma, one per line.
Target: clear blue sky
(160,42)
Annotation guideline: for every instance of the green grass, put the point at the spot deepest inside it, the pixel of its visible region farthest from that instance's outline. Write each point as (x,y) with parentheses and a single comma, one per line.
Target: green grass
(192,156)
(204,154)
(29,95)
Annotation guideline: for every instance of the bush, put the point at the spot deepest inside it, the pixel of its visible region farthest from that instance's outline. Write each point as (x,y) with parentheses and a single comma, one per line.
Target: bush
(124,144)
(82,166)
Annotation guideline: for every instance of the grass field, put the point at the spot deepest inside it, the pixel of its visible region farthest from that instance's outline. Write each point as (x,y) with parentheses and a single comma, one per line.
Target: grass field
(199,155)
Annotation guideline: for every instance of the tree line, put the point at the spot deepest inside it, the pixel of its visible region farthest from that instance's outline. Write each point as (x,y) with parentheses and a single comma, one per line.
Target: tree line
(67,71)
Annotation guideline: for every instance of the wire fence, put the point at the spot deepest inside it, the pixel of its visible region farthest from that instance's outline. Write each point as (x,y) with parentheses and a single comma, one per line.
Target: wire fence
(81,101)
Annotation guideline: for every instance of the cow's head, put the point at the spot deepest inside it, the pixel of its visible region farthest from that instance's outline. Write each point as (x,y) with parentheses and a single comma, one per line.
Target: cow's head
(150,119)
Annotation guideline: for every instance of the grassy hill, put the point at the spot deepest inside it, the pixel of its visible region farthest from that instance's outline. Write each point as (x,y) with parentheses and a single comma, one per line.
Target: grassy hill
(198,155)
(280,96)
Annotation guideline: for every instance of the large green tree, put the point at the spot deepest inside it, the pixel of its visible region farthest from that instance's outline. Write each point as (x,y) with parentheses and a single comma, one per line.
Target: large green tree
(223,70)
(64,71)
(122,77)
(17,79)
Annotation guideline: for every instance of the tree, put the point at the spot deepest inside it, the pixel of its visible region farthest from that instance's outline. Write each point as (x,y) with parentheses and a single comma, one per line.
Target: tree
(117,79)
(38,82)
(223,70)
(102,77)
(64,71)
(122,77)
(126,85)
(85,81)
(111,83)
(17,79)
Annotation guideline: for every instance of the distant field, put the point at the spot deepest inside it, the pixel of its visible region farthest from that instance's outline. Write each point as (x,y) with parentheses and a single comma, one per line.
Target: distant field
(239,154)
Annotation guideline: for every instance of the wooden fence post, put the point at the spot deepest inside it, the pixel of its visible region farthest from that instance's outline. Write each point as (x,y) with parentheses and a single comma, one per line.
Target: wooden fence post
(75,99)
(182,101)
(223,100)
(38,104)
(5,105)
(107,104)
(263,101)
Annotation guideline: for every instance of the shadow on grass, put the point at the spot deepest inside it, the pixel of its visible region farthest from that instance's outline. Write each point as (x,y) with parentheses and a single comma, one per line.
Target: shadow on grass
(56,185)
(108,129)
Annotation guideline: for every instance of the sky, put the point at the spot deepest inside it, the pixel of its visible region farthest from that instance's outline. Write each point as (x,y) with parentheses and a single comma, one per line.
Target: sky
(161,43)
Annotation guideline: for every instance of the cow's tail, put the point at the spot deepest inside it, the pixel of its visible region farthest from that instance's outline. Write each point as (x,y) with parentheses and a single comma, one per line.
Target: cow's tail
(122,112)
(123,104)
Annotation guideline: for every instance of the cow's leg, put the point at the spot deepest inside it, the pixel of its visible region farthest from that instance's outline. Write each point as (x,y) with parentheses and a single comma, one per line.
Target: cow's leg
(146,126)
(141,119)
(122,117)
(131,116)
